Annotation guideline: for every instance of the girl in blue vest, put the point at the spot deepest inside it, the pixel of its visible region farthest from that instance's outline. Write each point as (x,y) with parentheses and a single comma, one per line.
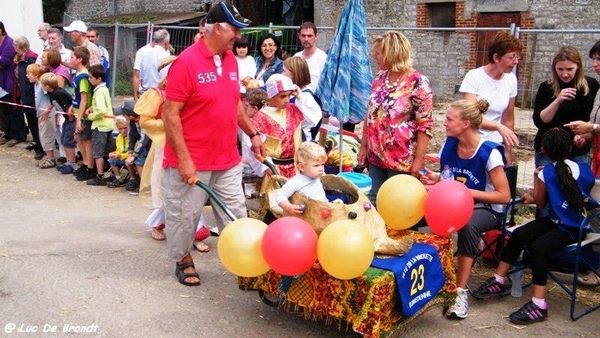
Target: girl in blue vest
(564,186)
(479,164)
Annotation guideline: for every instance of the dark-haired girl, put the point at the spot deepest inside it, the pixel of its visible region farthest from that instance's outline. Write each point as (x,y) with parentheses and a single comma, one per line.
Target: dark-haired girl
(562,185)
(245,61)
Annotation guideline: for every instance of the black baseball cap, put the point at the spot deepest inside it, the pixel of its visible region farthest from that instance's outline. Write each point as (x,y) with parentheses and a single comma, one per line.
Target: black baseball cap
(222,12)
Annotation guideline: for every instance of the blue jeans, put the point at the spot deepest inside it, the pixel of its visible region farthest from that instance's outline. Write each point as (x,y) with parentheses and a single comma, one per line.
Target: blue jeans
(378,176)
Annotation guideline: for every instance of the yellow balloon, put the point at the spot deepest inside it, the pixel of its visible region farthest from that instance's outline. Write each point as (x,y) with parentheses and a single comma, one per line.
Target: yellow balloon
(401,201)
(239,247)
(345,249)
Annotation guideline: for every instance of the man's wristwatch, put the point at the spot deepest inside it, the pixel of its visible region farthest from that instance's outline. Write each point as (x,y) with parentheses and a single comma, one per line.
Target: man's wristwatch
(256,133)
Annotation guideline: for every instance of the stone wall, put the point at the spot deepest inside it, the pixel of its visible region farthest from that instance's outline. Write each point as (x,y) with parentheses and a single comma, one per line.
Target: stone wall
(444,57)
(86,9)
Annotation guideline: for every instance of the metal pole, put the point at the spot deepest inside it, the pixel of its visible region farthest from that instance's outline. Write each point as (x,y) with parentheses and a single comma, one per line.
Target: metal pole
(149,31)
(113,83)
(514,30)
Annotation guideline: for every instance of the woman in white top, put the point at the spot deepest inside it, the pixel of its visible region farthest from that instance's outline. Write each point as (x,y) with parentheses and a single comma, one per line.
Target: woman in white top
(496,83)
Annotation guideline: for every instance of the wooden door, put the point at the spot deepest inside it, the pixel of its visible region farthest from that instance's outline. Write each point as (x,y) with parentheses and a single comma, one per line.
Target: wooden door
(483,37)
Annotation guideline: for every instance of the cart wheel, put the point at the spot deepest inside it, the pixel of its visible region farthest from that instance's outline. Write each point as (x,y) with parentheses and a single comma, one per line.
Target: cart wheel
(268,298)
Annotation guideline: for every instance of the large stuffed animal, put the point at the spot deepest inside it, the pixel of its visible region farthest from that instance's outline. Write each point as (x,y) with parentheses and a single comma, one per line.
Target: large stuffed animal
(352,204)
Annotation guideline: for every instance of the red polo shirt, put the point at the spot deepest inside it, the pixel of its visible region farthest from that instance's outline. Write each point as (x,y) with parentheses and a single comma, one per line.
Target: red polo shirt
(209,115)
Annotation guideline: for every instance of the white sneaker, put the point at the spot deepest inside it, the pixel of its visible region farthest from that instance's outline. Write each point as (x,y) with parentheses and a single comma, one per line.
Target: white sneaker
(460,309)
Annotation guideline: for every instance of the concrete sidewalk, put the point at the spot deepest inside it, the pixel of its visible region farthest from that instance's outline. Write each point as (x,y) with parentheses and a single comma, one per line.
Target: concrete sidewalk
(80,256)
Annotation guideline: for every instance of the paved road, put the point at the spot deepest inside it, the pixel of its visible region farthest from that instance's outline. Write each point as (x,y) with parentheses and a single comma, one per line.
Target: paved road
(72,254)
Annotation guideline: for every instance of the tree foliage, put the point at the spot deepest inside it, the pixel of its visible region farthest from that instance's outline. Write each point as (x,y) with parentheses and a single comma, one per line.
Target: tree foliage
(53,10)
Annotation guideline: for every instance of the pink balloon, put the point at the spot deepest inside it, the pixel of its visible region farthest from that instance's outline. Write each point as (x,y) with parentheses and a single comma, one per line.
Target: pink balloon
(289,246)
(448,207)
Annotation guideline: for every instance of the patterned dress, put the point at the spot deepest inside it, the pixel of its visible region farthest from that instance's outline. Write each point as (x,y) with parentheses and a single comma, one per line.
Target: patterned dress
(284,135)
(395,114)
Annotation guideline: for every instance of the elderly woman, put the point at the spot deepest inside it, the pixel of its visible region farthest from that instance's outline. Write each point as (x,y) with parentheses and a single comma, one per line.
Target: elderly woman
(398,125)
(24,58)
(478,163)
(268,61)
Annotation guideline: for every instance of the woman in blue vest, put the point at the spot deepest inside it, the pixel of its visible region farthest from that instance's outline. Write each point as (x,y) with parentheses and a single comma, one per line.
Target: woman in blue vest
(479,164)
(564,185)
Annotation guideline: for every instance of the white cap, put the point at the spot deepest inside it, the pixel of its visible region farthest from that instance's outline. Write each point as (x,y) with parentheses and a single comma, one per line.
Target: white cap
(76,26)
(278,83)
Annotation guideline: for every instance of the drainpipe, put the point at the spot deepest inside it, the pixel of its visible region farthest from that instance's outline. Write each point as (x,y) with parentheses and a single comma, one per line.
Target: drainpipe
(114,7)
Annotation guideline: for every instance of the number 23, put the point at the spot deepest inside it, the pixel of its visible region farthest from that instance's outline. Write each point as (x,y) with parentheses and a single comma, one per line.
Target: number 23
(417,276)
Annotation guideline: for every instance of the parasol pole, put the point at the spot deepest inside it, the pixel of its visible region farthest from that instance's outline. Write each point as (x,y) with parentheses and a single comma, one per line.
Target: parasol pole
(325,121)
(341,131)
(323,131)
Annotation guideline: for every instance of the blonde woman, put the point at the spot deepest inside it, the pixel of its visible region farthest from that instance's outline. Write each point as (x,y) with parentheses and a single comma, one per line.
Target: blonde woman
(399,123)
(478,163)
(568,96)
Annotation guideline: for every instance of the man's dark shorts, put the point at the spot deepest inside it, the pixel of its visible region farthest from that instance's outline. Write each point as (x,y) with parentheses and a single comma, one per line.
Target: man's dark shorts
(102,143)
(68,134)
(86,133)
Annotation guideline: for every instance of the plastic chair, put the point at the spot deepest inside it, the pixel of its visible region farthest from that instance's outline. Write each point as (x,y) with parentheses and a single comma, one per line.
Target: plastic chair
(584,239)
(496,245)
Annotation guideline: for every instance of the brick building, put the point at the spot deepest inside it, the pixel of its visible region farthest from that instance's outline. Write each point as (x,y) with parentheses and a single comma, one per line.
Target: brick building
(444,56)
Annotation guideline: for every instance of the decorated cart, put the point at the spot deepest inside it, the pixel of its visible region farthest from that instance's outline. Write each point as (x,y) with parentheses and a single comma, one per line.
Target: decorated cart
(367,304)
(406,272)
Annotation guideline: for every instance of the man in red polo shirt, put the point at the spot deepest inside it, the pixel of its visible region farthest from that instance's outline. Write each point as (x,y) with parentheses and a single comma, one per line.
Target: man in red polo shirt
(201,114)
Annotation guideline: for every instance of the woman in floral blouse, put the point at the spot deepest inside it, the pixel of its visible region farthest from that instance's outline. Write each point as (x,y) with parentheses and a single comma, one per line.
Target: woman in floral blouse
(399,123)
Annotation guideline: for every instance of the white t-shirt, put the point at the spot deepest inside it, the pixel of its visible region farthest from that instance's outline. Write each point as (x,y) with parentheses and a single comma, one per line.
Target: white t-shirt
(315,65)
(497,92)
(311,111)
(246,67)
(139,55)
(307,186)
(572,165)
(149,76)
(65,56)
